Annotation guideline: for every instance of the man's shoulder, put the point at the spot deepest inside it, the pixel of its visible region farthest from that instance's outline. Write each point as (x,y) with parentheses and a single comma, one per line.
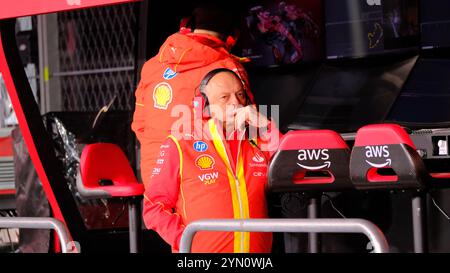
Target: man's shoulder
(181,138)
(151,67)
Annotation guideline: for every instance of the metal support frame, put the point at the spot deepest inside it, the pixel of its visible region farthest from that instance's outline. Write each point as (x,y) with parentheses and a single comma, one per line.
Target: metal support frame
(135,224)
(39,223)
(313,213)
(365,227)
(43,63)
(44,159)
(419,226)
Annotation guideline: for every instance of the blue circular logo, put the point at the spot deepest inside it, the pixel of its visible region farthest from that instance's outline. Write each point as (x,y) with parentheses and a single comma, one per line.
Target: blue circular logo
(200,146)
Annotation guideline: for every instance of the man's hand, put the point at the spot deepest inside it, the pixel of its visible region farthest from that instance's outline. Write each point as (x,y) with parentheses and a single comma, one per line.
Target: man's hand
(249,115)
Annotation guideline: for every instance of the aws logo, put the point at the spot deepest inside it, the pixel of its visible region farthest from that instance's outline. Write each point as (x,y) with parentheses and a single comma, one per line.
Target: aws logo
(308,155)
(373,2)
(209,178)
(378,152)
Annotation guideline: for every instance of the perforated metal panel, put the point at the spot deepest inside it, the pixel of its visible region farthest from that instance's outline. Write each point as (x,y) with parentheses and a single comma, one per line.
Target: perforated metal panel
(97,57)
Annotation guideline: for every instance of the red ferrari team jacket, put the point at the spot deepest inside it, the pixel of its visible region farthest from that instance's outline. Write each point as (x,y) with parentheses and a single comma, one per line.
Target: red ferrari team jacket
(171,78)
(210,178)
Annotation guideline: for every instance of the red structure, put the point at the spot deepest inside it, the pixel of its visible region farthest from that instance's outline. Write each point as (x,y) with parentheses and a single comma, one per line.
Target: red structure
(27,111)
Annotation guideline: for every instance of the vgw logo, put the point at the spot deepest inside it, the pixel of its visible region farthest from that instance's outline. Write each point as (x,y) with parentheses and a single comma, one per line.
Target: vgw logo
(321,154)
(378,152)
(209,178)
(374,2)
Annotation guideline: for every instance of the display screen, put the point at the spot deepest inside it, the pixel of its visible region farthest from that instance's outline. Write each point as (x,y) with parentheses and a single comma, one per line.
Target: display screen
(357,28)
(435,23)
(425,99)
(282,32)
(345,97)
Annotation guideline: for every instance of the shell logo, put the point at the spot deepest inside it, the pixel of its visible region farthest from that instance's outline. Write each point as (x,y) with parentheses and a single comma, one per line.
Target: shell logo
(205,162)
(162,96)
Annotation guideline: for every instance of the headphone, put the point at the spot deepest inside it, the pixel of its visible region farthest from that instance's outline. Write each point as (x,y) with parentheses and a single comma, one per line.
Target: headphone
(201,102)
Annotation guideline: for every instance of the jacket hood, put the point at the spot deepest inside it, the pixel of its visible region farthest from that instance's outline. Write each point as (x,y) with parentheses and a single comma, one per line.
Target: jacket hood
(182,52)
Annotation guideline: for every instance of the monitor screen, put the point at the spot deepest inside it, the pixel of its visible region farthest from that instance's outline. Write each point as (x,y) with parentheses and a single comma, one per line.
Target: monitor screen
(282,32)
(283,88)
(345,97)
(435,23)
(425,99)
(357,28)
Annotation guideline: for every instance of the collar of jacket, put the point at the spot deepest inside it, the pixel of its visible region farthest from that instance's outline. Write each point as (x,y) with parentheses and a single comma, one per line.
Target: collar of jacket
(208,40)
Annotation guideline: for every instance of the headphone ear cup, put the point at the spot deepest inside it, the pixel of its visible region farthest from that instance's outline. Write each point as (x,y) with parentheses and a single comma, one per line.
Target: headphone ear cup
(201,107)
(197,104)
(205,109)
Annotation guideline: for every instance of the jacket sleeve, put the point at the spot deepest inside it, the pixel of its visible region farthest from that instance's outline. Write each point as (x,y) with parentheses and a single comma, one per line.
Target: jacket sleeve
(138,123)
(161,196)
(270,139)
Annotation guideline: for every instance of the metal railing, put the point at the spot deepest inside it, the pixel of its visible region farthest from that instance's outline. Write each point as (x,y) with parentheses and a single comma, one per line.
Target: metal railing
(39,223)
(365,227)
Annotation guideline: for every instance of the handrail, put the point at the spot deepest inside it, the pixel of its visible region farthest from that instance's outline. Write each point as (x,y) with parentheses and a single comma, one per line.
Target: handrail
(39,223)
(374,234)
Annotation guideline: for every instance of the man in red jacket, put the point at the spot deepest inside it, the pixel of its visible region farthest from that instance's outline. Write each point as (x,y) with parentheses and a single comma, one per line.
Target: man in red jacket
(214,173)
(170,78)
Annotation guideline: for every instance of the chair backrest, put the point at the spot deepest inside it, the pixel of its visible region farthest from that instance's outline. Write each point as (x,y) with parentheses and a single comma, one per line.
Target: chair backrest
(105,161)
(384,157)
(310,160)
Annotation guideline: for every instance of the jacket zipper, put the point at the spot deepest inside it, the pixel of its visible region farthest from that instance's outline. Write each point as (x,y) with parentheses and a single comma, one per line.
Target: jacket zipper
(237,184)
(238,190)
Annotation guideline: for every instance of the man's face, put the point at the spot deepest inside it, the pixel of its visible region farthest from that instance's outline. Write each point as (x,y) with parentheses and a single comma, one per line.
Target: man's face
(225,94)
